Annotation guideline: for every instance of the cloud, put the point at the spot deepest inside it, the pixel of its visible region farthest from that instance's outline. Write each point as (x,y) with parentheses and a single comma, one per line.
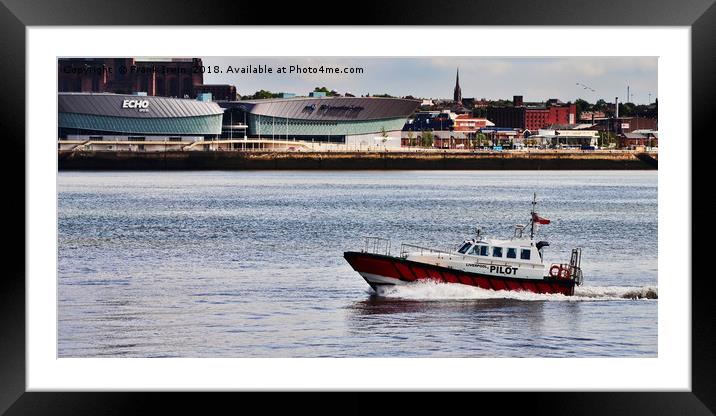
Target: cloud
(597,67)
(492,66)
(434,77)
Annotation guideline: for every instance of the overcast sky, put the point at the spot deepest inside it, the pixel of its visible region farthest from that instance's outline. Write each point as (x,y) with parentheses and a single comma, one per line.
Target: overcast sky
(537,79)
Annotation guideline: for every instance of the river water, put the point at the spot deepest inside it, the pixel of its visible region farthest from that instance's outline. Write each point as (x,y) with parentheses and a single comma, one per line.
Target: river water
(249,264)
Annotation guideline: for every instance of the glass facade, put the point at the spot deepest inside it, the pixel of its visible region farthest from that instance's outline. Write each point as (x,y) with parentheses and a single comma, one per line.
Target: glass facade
(209,125)
(266,126)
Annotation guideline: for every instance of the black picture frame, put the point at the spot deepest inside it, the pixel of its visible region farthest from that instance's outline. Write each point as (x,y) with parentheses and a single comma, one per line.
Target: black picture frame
(16,15)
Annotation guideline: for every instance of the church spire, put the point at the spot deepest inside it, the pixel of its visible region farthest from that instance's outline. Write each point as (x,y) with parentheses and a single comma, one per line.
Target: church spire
(457,95)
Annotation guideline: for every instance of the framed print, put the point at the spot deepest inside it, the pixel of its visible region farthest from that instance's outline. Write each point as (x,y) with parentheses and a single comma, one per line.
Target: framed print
(447,205)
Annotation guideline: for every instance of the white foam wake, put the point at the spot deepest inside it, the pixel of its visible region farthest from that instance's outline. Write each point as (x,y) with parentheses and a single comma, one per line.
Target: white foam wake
(430,290)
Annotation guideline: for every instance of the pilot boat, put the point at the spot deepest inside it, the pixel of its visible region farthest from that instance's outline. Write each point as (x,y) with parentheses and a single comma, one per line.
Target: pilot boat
(516,263)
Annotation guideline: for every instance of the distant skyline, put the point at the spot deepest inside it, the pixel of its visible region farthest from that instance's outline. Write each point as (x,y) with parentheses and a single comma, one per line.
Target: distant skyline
(536,79)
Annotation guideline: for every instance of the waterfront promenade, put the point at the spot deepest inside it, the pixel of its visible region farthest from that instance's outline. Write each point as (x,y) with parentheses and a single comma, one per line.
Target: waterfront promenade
(385,159)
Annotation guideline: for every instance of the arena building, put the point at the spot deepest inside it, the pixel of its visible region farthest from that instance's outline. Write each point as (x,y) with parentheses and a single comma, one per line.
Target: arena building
(353,121)
(104,121)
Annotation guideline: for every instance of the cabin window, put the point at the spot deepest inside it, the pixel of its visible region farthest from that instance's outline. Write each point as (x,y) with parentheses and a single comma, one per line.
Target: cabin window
(484,251)
(525,254)
(464,248)
(473,251)
(511,253)
(496,251)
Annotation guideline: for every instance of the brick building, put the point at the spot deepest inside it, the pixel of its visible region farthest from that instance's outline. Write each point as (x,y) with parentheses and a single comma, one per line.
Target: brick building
(533,117)
(178,77)
(625,124)
(638,140)
(513,117)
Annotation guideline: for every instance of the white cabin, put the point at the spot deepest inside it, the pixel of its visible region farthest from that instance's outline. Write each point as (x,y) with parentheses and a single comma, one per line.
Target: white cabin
(519,256)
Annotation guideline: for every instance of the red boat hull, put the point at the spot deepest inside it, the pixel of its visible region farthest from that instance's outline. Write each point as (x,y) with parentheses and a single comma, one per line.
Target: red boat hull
(379,269)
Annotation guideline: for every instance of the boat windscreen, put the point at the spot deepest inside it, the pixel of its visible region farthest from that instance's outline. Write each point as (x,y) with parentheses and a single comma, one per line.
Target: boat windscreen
(464,248)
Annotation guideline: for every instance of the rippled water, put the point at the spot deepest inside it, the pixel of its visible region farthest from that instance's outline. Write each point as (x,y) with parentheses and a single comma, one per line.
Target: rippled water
(249,264)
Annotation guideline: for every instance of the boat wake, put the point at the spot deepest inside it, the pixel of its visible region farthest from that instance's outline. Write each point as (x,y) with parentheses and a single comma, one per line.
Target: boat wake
(430,290)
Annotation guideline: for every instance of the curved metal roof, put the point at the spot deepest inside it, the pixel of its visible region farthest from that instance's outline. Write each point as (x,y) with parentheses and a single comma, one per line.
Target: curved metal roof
(330,108)
(111,105)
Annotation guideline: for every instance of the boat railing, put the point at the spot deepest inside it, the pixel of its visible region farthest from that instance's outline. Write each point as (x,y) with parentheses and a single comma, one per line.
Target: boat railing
(377,245)
(406,249)
(575,265)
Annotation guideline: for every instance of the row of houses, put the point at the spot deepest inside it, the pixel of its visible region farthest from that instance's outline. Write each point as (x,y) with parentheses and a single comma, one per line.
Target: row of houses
(449,130)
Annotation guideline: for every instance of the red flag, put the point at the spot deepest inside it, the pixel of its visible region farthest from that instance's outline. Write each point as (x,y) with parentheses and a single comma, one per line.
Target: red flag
(539,220)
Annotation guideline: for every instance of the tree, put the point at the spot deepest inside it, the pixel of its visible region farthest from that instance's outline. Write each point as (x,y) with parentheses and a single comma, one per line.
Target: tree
(383,134)
(654,110)
(602,140)
(626,109)
(321,89)
(582,105)
(479,139)
(601,105)
(479,112)
(607,139)
(426,140)
(262,94)
(531,142)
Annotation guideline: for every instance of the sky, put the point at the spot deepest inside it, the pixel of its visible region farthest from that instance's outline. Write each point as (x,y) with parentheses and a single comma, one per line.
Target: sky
(536,79)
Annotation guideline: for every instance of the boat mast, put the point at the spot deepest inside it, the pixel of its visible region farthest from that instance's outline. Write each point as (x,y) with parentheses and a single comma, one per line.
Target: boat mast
(532,216)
